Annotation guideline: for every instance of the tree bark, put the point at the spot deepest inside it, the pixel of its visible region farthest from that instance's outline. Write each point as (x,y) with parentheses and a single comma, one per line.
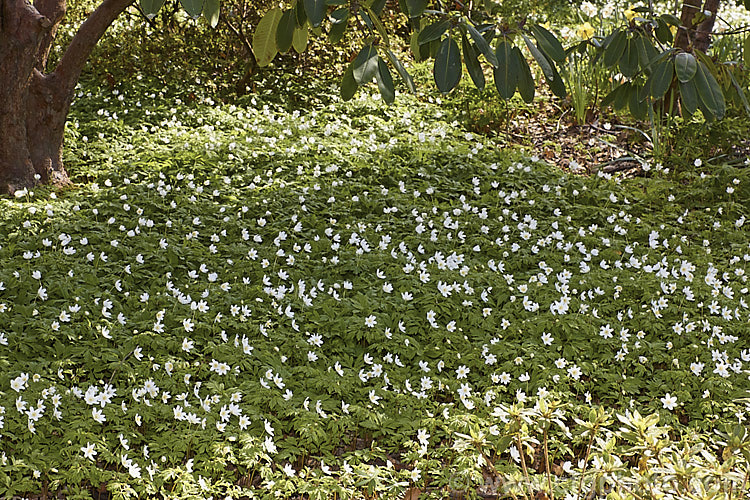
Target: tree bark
(33,105)
(692,35)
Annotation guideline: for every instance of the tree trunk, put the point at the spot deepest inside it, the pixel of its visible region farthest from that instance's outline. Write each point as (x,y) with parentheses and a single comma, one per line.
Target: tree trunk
(33,105)
(692,35)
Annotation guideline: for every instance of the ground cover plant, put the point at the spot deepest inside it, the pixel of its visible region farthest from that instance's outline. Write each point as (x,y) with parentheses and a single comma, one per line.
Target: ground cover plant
(359,300)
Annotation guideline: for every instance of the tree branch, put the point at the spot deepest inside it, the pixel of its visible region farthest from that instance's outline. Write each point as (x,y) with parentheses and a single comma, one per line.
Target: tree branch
(54,10)
(73,60)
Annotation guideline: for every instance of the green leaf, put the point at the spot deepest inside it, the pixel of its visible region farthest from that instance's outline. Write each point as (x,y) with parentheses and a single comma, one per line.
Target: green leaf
(685,66)
(285,31)
(671,20)
(689,96)
(482,45)
(264,38)
(557,85)
(540,58)
(615,48)
(365,65)
(379,26)
(377,6)
(447,69)
(151,7)
(709,91)
(662,32)
(661,78)
(211,11)
(638,107)
(508,68)
(740,93)
(526,86)
(405,76)
(416,7)
(192,7)
(472,63)
(299,41)
(629,60)
(615,98)
(433,32)
(339,25)
(348,84)
(316,11)
(746,48)
(385,82)
(646,52)
(548,43)
(300,14)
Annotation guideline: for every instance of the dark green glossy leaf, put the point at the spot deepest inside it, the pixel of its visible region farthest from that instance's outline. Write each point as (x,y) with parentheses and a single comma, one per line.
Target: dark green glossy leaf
(508,68)
(548,43)
(264,38)
(447,69)
(365,65)
(740,93)
(540,58)
(671,20)
(348,84)
(471,61)
(557,85)
(338,26)
(709,91)
(685,66)
(526,86)
(638,107)
(646,52)
(300,13)
(211,11)
(378,6)
(482,45)
(285,31)
(151,7)
(689,97)
(385,82)
(416,7)
(629,60)
(194,8)
(661,78)
(615,49)
(616,98)
(433,31)
(662,32)
(316,11)
(401,70)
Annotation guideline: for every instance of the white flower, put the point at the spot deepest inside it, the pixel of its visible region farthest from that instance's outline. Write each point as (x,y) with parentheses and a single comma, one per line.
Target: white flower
(371,321)
(669,402)
(89,451)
